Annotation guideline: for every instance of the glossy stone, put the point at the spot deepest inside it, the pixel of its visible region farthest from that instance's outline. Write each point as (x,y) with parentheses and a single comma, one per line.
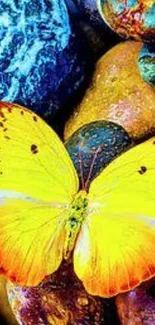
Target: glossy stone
(6,315)
(136,307)
(130,18)
(95,145)
(86,9)
(41,64)
(146,63)
(87,16)
(117,93)
(58,300)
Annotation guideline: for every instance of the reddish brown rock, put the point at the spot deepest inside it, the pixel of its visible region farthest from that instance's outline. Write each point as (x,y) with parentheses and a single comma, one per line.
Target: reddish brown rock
(59,300)
(136,307)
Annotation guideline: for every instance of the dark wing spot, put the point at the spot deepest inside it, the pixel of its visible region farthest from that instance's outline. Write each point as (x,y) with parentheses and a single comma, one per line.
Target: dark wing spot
(35,118)
(1,173)
(1,125)
(142,170)
(6,137)
(2,115)
(153,142)
(22,112)
(9,109)
(5,129)
(34,149)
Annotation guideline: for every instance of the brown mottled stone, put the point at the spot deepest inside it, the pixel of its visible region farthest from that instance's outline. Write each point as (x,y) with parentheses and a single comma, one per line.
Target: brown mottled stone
(137,307)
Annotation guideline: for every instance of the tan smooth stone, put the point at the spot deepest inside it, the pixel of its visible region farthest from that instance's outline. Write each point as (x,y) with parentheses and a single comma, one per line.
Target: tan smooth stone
(117,93)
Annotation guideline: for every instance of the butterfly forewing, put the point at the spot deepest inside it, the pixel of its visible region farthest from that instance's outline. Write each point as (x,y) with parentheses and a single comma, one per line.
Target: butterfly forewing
(32,158)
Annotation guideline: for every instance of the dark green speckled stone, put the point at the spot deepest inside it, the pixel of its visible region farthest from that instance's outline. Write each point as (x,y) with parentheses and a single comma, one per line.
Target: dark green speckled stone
(146,63)
(94,146)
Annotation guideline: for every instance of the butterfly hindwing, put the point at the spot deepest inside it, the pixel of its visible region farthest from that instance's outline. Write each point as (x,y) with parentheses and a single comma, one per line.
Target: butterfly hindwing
(115,250)
(32,239)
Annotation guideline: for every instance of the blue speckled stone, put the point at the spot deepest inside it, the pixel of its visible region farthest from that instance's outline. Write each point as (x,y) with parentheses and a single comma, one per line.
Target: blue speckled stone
(94,146)
(146,63)
(85,8)
(87,15)
(40,61)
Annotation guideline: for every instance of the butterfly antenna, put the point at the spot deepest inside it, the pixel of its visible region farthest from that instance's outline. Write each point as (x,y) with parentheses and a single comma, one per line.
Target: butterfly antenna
(92,165)
(81,166)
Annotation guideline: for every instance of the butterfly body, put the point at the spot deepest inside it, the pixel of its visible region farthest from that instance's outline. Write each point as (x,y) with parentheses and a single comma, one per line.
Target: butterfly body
(77,214)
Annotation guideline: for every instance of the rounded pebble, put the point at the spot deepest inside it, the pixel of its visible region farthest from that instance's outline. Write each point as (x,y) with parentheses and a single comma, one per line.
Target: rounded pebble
(42,63)
(94,146)
(146,63)
(130,18)
(117,93)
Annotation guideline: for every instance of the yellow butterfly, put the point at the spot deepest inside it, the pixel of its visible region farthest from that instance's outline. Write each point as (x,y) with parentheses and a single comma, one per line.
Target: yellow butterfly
(44,218)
